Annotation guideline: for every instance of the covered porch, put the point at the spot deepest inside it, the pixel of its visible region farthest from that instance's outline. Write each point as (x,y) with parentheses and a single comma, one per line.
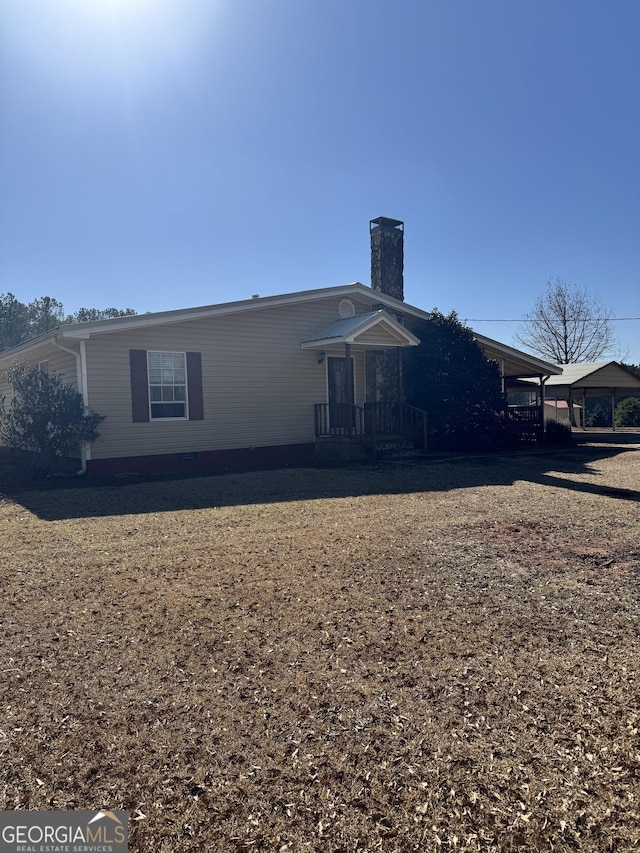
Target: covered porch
(526,407)
(363,412)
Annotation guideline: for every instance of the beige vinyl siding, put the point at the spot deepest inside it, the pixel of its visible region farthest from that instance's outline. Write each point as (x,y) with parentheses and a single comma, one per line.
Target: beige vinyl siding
(62,363)
(259,385)
(375,337)
(610,376)
(5,388)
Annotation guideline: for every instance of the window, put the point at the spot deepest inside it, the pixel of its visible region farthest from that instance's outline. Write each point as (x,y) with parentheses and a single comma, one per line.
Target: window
(43,367)
(167,384)
(159,381)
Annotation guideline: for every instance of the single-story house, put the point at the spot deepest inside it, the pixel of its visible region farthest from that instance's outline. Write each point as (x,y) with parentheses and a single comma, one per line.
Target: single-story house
(587,394)
(260,380)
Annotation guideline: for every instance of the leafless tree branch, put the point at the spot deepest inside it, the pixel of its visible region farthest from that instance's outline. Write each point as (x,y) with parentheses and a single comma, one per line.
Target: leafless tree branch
(567,325)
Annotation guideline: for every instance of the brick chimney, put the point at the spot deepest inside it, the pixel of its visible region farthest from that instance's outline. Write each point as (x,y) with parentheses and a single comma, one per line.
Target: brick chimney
(387,256)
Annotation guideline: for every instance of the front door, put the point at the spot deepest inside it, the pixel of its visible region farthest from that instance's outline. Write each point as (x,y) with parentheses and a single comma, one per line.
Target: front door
(341,413)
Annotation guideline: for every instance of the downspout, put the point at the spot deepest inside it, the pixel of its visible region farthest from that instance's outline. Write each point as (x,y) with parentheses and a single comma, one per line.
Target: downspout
(81,374)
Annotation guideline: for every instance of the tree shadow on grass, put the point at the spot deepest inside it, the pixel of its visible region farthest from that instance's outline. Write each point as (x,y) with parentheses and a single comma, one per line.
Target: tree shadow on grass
(87,499)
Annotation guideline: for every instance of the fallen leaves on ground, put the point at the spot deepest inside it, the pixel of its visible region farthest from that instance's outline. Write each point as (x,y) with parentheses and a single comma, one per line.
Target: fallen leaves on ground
(436,656)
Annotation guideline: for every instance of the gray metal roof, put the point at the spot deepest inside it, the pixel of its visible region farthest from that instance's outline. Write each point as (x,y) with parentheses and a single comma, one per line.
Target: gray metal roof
(572,373)
(514,361)
(343,328)
(349,330)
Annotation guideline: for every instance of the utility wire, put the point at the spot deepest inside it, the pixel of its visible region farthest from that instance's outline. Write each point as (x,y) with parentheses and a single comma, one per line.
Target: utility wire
(523,320)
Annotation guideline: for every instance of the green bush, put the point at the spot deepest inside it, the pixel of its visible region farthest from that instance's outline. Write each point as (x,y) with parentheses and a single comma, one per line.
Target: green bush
(449,377)
(628,412)
(557,433)
(597,414)
(45,416)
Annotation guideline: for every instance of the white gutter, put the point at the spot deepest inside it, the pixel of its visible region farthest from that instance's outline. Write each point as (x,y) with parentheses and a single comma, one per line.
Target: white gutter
(81,374)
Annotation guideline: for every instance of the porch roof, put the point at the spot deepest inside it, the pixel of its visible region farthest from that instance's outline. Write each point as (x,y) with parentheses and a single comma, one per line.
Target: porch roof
(593,375)
(513,363)
(375,330)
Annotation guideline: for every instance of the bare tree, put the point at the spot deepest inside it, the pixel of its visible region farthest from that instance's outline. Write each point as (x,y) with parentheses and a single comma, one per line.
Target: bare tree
(567,325)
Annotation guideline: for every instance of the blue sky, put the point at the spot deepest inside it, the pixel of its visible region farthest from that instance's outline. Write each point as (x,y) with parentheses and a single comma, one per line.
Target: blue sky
(160,154)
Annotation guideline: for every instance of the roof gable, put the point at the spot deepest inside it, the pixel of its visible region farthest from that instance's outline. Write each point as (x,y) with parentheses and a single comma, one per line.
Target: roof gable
(358,330)
(600,374)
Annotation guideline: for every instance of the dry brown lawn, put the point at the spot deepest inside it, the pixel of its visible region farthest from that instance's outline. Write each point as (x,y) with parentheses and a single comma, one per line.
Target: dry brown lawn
(403,657)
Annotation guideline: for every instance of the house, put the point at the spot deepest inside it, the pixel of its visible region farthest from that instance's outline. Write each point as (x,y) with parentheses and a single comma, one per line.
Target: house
(265,380)
(589,392)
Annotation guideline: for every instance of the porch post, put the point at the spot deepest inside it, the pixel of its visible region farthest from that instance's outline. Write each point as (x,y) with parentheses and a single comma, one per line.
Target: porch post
(399,395)
(349,376)
(543,401)
(572,417)
(613,408)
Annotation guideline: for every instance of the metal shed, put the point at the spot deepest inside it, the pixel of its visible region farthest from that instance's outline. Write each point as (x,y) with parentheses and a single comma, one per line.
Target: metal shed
(585,391)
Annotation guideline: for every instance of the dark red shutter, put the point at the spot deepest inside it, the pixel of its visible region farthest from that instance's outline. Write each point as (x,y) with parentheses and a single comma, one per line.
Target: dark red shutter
(139,385)
(194,389)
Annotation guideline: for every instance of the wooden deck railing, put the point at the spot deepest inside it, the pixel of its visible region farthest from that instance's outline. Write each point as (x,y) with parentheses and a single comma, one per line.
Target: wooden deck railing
(524,423)
(343,419)
(401,419)
(372,422)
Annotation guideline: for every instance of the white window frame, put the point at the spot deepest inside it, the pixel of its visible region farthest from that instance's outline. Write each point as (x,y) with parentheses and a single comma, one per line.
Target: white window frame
(169,418)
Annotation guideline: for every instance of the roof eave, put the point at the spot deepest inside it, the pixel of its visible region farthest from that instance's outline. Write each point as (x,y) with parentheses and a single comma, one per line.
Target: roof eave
(544,368)
(33,343)
(135,321)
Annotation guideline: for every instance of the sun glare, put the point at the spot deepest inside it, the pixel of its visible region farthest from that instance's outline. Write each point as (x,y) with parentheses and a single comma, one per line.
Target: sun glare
(78,43)
(120,10)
